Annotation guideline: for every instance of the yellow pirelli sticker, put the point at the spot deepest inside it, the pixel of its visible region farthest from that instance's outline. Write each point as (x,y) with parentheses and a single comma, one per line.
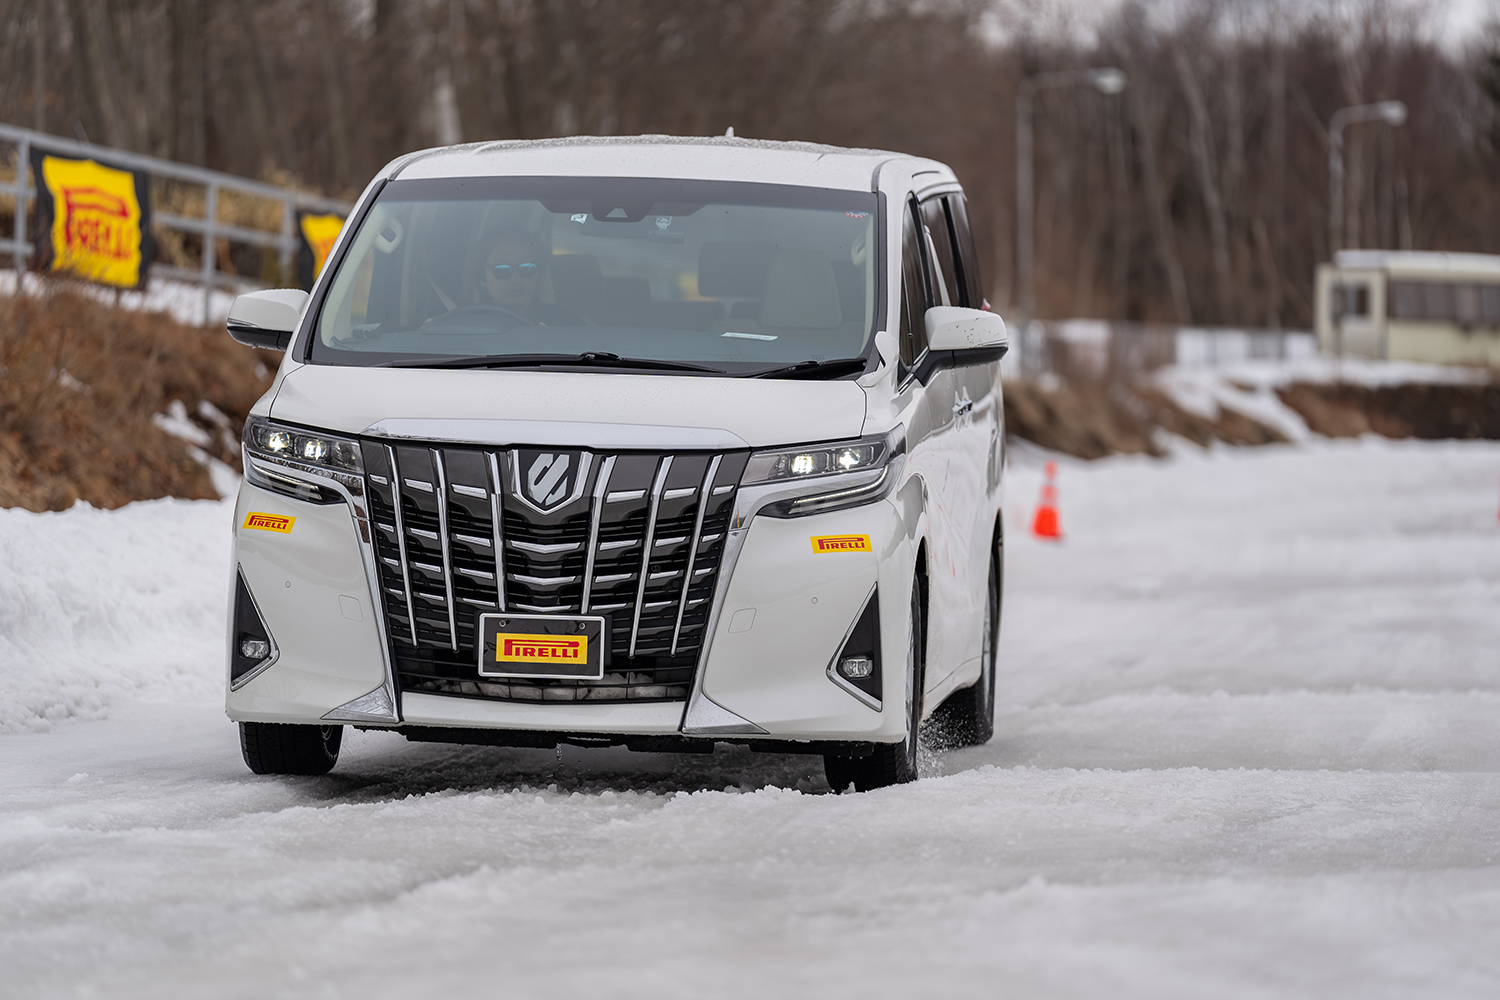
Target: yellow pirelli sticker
(560,649)
(823,544)
(269,522)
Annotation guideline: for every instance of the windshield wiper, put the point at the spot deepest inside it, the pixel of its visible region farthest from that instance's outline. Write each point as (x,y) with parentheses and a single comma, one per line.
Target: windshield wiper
(814,369)
(588,359)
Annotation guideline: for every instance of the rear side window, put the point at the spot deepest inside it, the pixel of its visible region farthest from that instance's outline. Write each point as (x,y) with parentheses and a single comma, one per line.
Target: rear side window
(968,260)
(914,298)
(935,218)
(1442,301)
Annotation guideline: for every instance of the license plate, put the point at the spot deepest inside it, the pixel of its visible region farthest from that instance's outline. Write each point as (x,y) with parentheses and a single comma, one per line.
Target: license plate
(542,647)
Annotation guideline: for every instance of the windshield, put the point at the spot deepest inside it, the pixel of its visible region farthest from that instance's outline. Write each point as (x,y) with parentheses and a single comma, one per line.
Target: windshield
(715,277)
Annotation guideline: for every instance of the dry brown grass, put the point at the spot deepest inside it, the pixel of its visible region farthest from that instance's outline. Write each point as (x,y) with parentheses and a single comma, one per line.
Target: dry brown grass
(79,384)
(250,211)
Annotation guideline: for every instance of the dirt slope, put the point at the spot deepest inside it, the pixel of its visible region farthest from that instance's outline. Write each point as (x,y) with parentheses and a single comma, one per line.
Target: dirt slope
(1398,411)
(80,383)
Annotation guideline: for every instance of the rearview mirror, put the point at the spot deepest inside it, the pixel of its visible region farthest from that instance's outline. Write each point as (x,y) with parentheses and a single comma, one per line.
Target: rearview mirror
(951,328)
(267,319)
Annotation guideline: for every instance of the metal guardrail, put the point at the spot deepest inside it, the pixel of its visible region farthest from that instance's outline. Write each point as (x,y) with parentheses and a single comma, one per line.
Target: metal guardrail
(208,228)
(1105,350)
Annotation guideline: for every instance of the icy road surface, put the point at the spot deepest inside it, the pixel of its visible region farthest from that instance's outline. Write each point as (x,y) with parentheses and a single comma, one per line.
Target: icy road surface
(1248,747)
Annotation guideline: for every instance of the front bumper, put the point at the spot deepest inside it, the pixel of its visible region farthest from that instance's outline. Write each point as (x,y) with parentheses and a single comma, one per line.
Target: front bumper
(783,612)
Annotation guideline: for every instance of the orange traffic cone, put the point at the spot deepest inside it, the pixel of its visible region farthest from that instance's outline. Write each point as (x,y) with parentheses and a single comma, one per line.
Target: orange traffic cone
(1046,523)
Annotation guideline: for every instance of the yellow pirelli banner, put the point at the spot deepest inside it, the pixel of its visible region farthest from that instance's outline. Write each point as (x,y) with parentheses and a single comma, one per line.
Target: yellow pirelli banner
(318,233)
(93,220)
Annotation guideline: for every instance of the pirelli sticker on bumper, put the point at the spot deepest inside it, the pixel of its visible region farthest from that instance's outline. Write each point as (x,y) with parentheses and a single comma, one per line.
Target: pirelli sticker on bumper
(566,650)
(270,522)
(824,544)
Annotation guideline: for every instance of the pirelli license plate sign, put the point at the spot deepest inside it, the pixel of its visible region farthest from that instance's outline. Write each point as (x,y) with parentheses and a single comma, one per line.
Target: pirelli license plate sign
(93,220)
(541,646)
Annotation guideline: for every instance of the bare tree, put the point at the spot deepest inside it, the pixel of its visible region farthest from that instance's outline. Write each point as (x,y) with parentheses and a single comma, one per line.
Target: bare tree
(1201,194)
(1203,160)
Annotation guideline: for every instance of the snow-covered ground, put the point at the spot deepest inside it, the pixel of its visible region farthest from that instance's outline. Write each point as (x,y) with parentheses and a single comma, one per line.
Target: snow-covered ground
(1248,746)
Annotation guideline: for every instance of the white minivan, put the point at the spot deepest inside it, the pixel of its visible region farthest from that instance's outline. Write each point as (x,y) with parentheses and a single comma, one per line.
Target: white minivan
(656,442)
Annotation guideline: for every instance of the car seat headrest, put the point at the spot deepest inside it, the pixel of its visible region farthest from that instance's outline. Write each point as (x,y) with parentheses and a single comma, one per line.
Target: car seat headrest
(801,292)
(734,270)
(576,273)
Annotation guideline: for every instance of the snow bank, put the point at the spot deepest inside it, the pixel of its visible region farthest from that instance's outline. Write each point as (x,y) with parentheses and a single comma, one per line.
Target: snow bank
(1323,369)
(1249,385)
(98,605)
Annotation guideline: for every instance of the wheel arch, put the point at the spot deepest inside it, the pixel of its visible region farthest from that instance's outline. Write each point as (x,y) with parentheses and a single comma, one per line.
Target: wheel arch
(920,582)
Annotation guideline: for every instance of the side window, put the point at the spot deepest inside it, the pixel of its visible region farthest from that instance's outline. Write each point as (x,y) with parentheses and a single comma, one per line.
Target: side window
(913,293)
(1351,301)
(935,218)
(968,260)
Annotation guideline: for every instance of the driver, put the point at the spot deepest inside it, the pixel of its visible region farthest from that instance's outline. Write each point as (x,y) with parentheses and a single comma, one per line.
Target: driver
(509,277)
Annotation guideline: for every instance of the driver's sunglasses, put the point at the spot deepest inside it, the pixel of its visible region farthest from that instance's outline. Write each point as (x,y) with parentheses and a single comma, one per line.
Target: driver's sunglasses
(504,272)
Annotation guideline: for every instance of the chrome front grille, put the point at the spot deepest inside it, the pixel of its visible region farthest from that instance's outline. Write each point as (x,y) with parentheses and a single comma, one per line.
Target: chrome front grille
(636,539)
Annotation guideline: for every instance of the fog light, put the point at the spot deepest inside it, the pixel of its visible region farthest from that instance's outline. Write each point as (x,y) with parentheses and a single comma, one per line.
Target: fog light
(856,667)
(256,649)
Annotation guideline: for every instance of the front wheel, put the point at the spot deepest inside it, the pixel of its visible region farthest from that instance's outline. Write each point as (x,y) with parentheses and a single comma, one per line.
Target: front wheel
(274,748)
(891,763)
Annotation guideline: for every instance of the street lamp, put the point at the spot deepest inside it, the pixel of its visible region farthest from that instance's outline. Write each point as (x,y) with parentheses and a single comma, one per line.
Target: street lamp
(1108,81)
(1392,113)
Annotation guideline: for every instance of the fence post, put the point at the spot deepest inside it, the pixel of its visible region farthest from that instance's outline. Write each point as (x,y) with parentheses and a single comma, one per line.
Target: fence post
(209,265)
(23,153)
(288,218)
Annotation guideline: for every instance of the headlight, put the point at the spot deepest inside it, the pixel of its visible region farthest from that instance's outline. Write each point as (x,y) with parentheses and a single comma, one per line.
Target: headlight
(836,476)
(821,460)
(293,461)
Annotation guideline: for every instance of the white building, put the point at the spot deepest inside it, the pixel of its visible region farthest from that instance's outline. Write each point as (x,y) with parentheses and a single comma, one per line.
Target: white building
(1436,307)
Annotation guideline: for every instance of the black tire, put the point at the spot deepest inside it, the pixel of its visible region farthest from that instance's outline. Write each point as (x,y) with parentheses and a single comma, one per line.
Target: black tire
(970,713)
(891,763)
(273,748)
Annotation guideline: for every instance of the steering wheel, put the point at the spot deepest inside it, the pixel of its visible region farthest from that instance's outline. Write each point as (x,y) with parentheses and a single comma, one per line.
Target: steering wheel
(478,311)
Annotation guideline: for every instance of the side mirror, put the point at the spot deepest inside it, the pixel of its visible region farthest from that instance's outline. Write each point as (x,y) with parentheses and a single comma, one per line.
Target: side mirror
(267,319)
(951,328)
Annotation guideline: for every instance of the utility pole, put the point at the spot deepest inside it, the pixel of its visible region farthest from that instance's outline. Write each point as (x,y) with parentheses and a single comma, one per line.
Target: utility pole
(1393,113)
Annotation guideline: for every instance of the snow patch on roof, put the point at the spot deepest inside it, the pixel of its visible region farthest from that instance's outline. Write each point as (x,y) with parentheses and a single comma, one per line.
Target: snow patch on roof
(732,141)
(728,158)
(1418,261)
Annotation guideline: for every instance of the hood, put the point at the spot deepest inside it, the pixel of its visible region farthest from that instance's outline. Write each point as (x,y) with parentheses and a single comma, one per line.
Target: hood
(578,409)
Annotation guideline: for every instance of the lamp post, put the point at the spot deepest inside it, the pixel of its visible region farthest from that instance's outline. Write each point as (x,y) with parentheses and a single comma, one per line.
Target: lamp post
(1105,79)
(1392,113)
